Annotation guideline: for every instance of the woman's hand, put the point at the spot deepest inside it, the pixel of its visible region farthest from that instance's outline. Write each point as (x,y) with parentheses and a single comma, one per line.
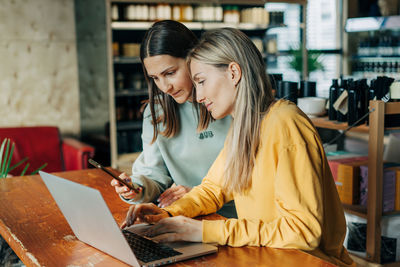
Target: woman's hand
(123,190)
(172,194)
(178,228)
(148,213)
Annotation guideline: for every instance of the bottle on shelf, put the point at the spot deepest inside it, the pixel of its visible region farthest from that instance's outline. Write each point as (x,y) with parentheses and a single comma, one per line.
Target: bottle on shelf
(120,81)
(120,111)
(363,98)
(333,95)
(357,101)
(276,17)
(342,89)
(130,110)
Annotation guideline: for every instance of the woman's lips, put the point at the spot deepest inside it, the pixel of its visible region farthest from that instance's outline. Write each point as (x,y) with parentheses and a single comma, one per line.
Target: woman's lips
(208,106)
(177,93)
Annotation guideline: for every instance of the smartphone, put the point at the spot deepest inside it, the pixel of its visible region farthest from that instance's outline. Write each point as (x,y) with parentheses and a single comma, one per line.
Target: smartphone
(131,186)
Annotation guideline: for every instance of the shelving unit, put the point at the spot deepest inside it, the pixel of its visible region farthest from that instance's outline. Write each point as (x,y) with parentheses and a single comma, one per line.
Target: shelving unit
(373,213)
(123,29)
(372,24)
(380,39)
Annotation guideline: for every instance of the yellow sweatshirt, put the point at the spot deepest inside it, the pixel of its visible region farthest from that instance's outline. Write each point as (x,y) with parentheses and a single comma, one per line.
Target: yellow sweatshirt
(292,201)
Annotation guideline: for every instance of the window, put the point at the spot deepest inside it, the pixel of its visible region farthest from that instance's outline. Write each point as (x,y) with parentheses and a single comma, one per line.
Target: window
(323,22)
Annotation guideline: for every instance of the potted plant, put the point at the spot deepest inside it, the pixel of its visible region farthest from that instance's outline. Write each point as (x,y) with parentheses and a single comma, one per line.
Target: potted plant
(7,255)
(314,61)
(5,160)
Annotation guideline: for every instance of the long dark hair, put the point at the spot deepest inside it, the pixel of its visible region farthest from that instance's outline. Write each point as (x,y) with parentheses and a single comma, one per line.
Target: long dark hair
(171,38)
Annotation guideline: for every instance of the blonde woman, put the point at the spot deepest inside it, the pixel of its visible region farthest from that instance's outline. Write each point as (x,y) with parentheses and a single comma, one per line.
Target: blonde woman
(273,164)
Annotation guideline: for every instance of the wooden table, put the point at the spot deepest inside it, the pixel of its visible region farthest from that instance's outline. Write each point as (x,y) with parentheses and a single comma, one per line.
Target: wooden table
(36,230)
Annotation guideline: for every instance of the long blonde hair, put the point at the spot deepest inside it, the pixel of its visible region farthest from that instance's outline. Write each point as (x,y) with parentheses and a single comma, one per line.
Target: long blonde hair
(252,100)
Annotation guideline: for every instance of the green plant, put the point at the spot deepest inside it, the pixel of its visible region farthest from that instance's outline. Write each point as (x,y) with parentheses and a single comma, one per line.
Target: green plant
(5,160)
(313,60)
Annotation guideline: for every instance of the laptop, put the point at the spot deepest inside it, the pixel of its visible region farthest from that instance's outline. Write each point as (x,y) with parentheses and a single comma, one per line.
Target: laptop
(92,222)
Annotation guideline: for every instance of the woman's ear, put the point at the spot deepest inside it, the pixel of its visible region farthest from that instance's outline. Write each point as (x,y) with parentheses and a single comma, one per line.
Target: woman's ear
(235,72)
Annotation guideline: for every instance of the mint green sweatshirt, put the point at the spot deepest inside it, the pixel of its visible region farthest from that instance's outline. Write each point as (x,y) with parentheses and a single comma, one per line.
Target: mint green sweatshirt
(183,159)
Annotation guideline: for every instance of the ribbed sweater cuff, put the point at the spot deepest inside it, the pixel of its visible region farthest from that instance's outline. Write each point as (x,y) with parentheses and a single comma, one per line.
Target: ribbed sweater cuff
(213,231)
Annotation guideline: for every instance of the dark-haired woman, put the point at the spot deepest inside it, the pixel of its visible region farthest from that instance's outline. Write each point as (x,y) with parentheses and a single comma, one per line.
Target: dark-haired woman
(178,147)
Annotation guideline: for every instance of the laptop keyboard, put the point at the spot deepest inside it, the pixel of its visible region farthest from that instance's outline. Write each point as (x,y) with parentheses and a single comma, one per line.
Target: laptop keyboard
(147,250)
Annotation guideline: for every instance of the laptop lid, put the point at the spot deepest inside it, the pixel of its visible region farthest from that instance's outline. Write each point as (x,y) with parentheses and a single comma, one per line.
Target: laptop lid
(92,222)
(89,217)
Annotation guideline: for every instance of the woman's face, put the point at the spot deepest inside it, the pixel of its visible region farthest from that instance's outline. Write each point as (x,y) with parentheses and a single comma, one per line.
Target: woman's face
(171,75)
(215,88)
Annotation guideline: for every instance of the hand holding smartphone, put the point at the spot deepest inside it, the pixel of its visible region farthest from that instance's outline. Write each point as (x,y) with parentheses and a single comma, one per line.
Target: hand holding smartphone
(131,186)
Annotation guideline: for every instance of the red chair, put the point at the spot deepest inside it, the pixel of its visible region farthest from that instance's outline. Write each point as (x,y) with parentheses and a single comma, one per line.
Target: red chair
(43,144)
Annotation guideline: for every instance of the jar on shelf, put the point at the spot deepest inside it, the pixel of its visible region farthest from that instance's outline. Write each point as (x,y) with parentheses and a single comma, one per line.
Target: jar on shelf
(258,42)
(245,15)
(144,11)
(204,13)
(115,49)
(163,11)
(177,12)
(129,109)
(137,82)
(130,12)
(114,12)
(255,15)
(120,81)
(231,14)
(272,45)
(218,13)
(152,12)
(187,13)
(119,112)
(131,50)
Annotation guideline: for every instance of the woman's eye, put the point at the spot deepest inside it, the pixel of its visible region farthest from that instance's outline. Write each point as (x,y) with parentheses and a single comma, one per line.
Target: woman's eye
(200,82)
(170,73)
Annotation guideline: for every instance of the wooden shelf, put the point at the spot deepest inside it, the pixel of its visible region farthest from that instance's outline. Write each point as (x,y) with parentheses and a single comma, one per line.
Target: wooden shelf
(361,211)
(360,261)
(129,125)
(222,2)
(131,92)
(324,122)
(126,60)
(145,25)
(357,210)
(366,24)
(373,213)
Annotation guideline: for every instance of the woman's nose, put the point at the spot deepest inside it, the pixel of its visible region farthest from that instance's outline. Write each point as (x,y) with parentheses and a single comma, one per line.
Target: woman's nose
(165,86)
(199,97)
